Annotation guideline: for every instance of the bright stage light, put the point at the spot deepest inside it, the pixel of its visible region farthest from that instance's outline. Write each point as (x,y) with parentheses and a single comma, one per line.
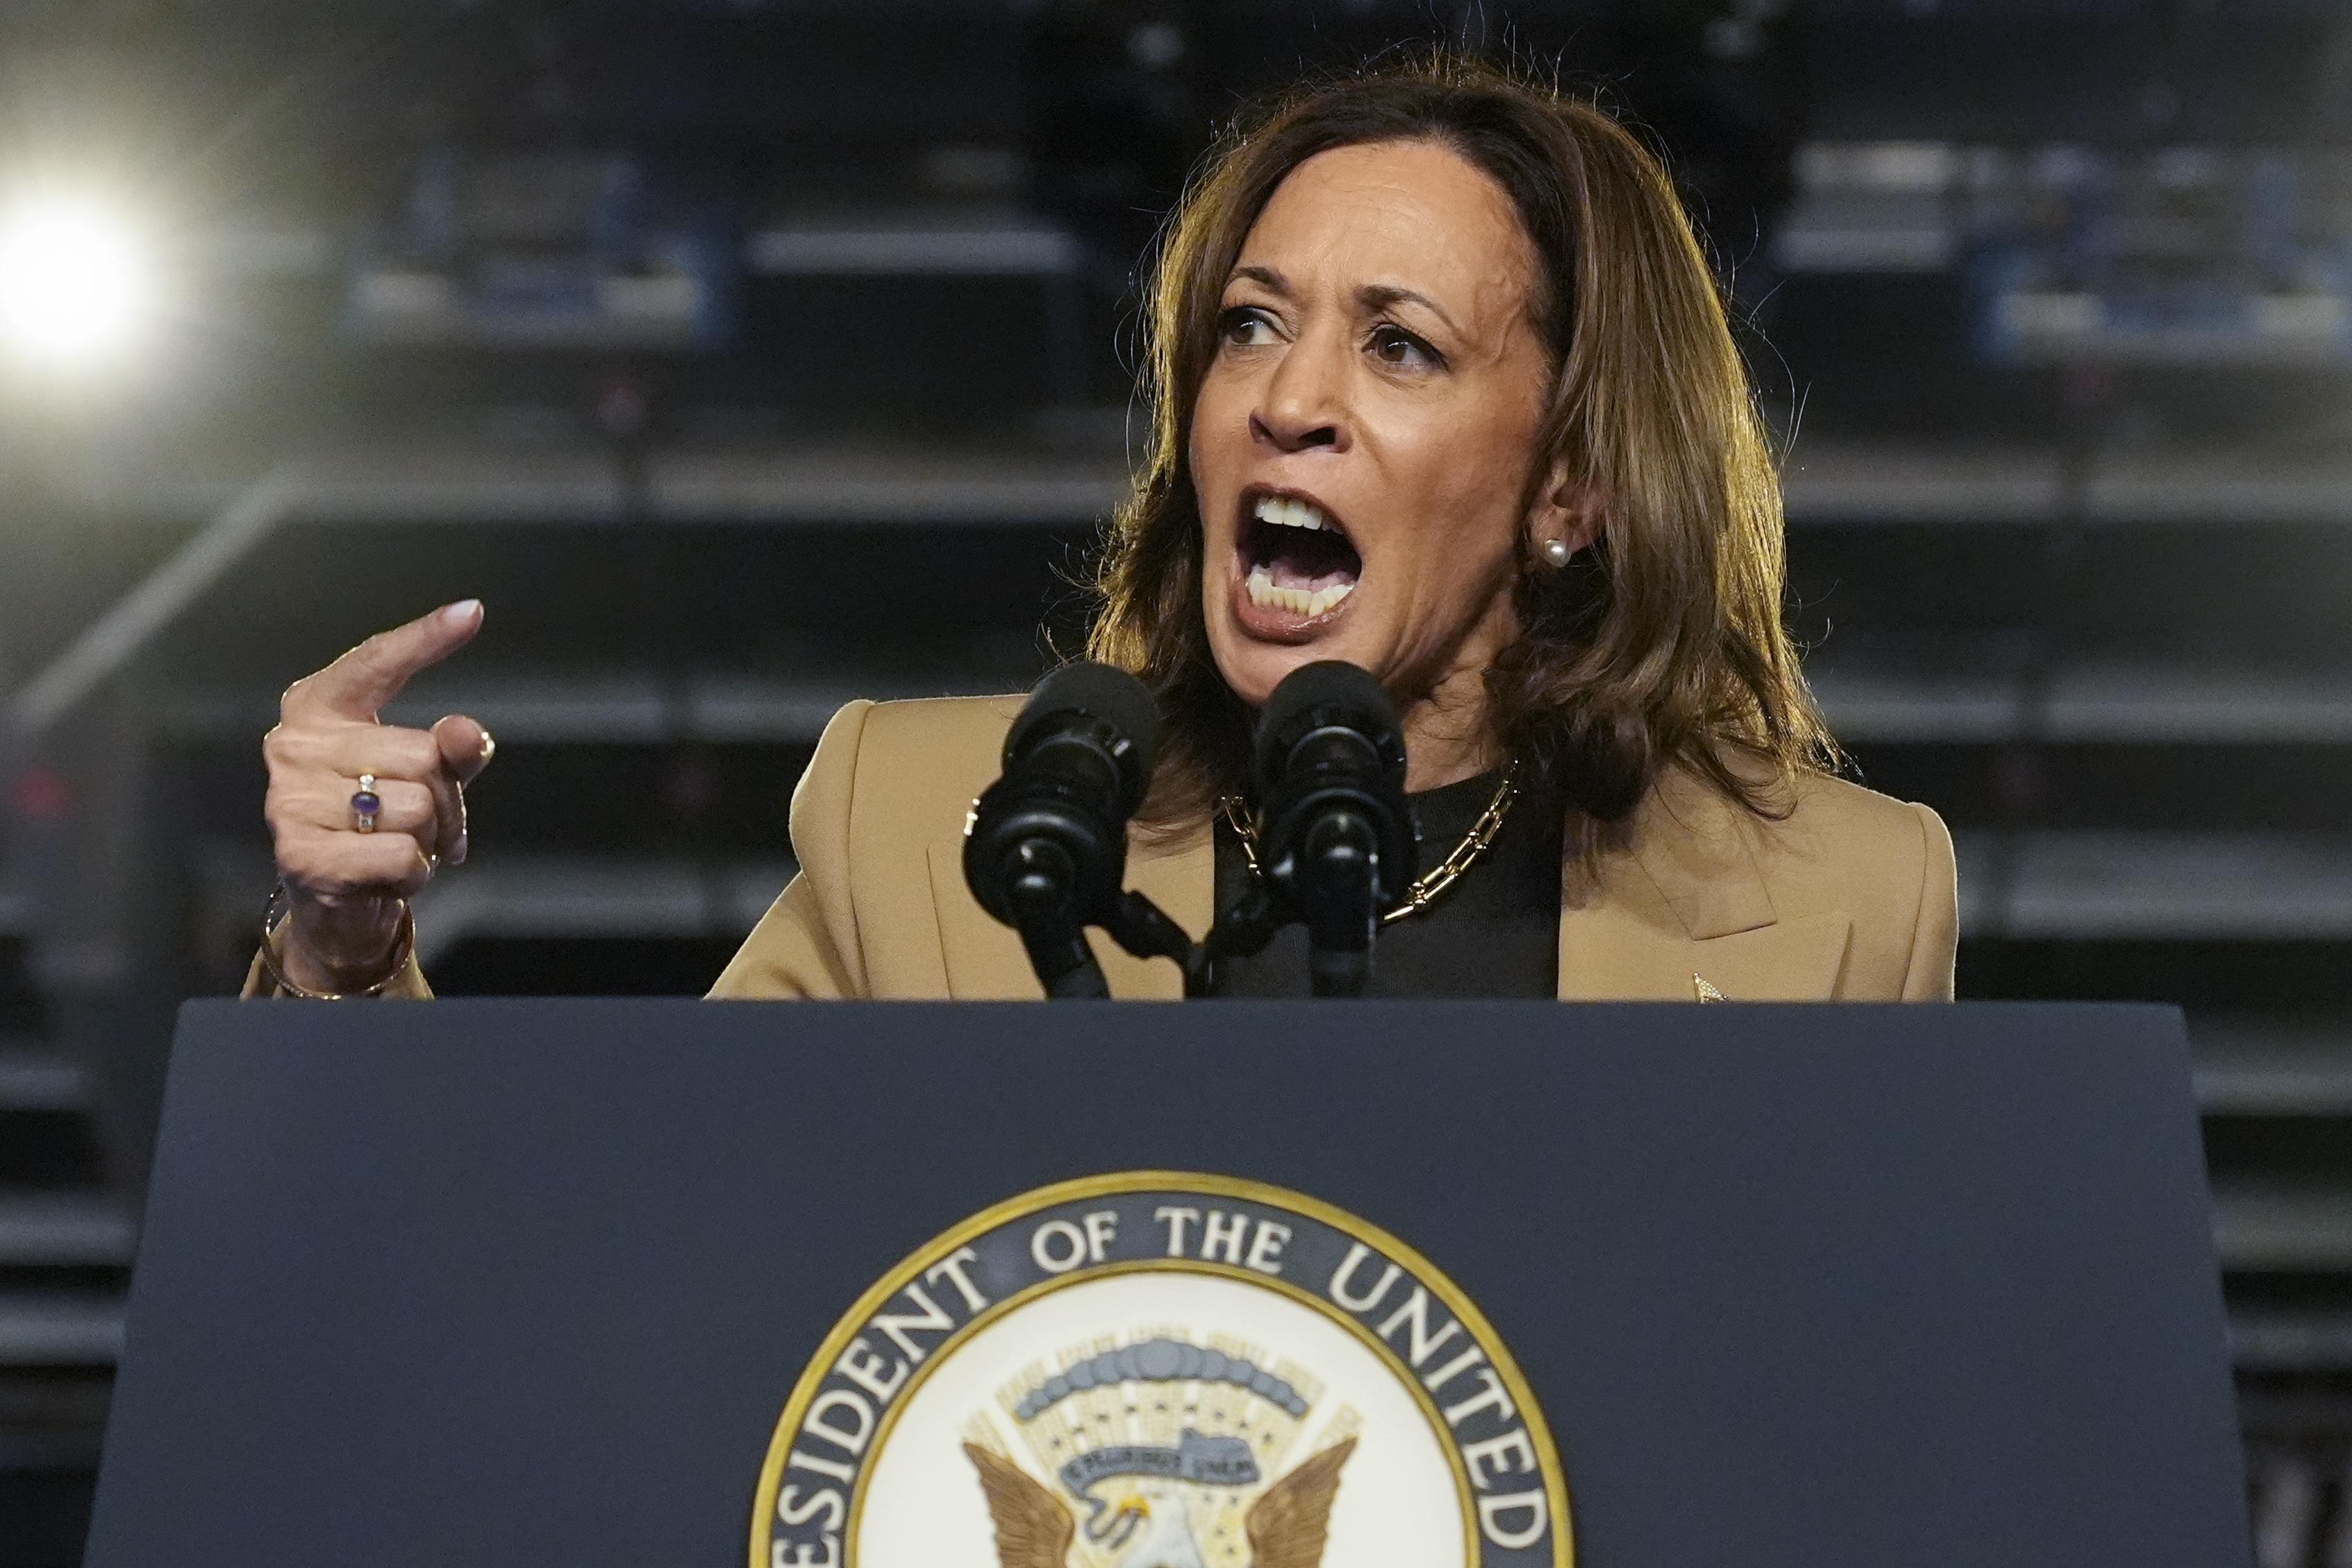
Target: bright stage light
(74,283)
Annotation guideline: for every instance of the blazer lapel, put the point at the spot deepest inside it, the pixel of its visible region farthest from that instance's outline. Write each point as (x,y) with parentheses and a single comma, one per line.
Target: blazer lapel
(985,960)
(1685,910)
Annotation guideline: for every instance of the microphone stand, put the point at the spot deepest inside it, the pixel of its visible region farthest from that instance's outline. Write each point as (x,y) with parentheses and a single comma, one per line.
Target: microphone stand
(1338,887)
(1043,894)
(1146,930)
(1055,939)
(1341,925)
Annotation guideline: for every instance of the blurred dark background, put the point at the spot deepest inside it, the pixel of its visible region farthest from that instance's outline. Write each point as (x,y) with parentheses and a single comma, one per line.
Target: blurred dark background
(749,355)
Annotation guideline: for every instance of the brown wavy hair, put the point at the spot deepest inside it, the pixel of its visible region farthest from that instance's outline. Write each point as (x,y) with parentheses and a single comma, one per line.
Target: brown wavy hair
(1662,645)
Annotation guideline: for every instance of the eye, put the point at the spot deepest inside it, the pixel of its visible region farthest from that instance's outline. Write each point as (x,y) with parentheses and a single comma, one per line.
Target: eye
(1246,326)
(1392,345)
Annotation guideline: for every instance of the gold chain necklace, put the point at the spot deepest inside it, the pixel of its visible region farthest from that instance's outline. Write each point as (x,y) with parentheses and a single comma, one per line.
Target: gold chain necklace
(1428,887)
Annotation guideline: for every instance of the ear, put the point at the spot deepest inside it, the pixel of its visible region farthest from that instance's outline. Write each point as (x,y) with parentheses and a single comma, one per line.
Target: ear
(1569,512)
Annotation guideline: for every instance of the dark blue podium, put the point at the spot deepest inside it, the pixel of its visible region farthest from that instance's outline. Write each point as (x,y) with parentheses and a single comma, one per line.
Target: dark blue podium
(528,1282)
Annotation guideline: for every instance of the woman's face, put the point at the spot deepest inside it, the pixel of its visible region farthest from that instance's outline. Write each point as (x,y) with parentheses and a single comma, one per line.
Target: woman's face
(1363,438)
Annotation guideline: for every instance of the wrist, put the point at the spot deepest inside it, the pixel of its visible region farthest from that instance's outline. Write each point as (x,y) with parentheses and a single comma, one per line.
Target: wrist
(330,950)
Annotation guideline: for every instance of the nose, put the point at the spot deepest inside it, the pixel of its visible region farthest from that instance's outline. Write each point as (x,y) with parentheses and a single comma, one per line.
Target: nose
(1303,403)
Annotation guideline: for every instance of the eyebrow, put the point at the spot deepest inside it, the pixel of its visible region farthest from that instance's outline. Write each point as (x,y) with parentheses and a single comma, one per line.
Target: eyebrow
(1374,295)
(1381,296)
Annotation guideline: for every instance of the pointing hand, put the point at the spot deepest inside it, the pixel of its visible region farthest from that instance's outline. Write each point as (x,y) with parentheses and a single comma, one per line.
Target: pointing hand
(345,878)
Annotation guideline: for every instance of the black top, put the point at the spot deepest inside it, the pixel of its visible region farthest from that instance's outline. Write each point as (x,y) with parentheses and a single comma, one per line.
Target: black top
(1496,932)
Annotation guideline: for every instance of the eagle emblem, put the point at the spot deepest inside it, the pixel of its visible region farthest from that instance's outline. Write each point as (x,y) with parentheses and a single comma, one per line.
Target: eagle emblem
(1163,1447)
(1286,1526)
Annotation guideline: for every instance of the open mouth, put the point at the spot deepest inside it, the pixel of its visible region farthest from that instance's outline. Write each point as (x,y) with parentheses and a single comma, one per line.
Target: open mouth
(1296,559)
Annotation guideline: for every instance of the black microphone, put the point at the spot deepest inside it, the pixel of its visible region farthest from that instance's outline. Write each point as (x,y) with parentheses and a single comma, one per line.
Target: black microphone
(1046,848)
(1335,843)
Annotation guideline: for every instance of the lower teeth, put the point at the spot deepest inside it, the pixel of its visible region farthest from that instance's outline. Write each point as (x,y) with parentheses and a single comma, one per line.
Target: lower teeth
(1297,600)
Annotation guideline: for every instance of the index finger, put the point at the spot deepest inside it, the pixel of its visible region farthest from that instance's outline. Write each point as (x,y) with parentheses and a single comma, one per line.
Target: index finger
(359,683)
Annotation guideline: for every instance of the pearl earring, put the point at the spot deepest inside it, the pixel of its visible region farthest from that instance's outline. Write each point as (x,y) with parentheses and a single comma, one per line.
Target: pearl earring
(1557,552)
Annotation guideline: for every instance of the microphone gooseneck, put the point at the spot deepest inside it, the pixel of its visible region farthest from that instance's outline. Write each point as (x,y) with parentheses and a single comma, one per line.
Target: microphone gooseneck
(1337,843)
(1045,848)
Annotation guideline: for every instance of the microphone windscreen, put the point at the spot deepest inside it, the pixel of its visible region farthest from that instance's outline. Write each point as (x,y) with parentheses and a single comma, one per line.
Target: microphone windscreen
(1330,692)
(1103,693)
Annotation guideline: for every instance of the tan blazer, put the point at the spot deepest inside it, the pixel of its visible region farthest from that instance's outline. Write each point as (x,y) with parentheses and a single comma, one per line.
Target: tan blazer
(1851,898)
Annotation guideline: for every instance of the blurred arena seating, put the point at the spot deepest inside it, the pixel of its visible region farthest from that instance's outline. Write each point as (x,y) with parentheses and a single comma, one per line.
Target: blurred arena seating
(748,357)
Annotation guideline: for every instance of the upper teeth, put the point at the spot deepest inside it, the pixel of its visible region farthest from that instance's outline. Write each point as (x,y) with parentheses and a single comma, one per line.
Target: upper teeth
(1289,512)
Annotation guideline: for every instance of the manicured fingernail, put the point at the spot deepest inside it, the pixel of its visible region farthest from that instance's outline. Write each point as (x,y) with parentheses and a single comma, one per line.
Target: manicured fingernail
(465,610)
(490,746)
(457,850)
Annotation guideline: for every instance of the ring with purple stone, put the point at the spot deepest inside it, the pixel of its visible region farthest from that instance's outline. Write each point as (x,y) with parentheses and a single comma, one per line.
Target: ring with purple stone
(365,804)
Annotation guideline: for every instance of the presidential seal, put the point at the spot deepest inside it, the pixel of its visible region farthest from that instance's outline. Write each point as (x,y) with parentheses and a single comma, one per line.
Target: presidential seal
(1155,1370)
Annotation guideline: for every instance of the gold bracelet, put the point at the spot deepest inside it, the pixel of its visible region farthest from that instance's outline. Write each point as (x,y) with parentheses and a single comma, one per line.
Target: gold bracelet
(281,908)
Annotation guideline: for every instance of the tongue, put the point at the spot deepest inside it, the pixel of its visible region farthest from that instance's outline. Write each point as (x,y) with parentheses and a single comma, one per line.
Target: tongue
(1312,562)
(1289,574)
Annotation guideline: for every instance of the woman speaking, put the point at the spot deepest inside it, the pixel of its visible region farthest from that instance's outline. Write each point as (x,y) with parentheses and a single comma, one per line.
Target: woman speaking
(1442,388)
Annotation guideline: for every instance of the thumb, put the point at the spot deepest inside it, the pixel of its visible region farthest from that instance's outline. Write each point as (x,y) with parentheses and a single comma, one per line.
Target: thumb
(466,747)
